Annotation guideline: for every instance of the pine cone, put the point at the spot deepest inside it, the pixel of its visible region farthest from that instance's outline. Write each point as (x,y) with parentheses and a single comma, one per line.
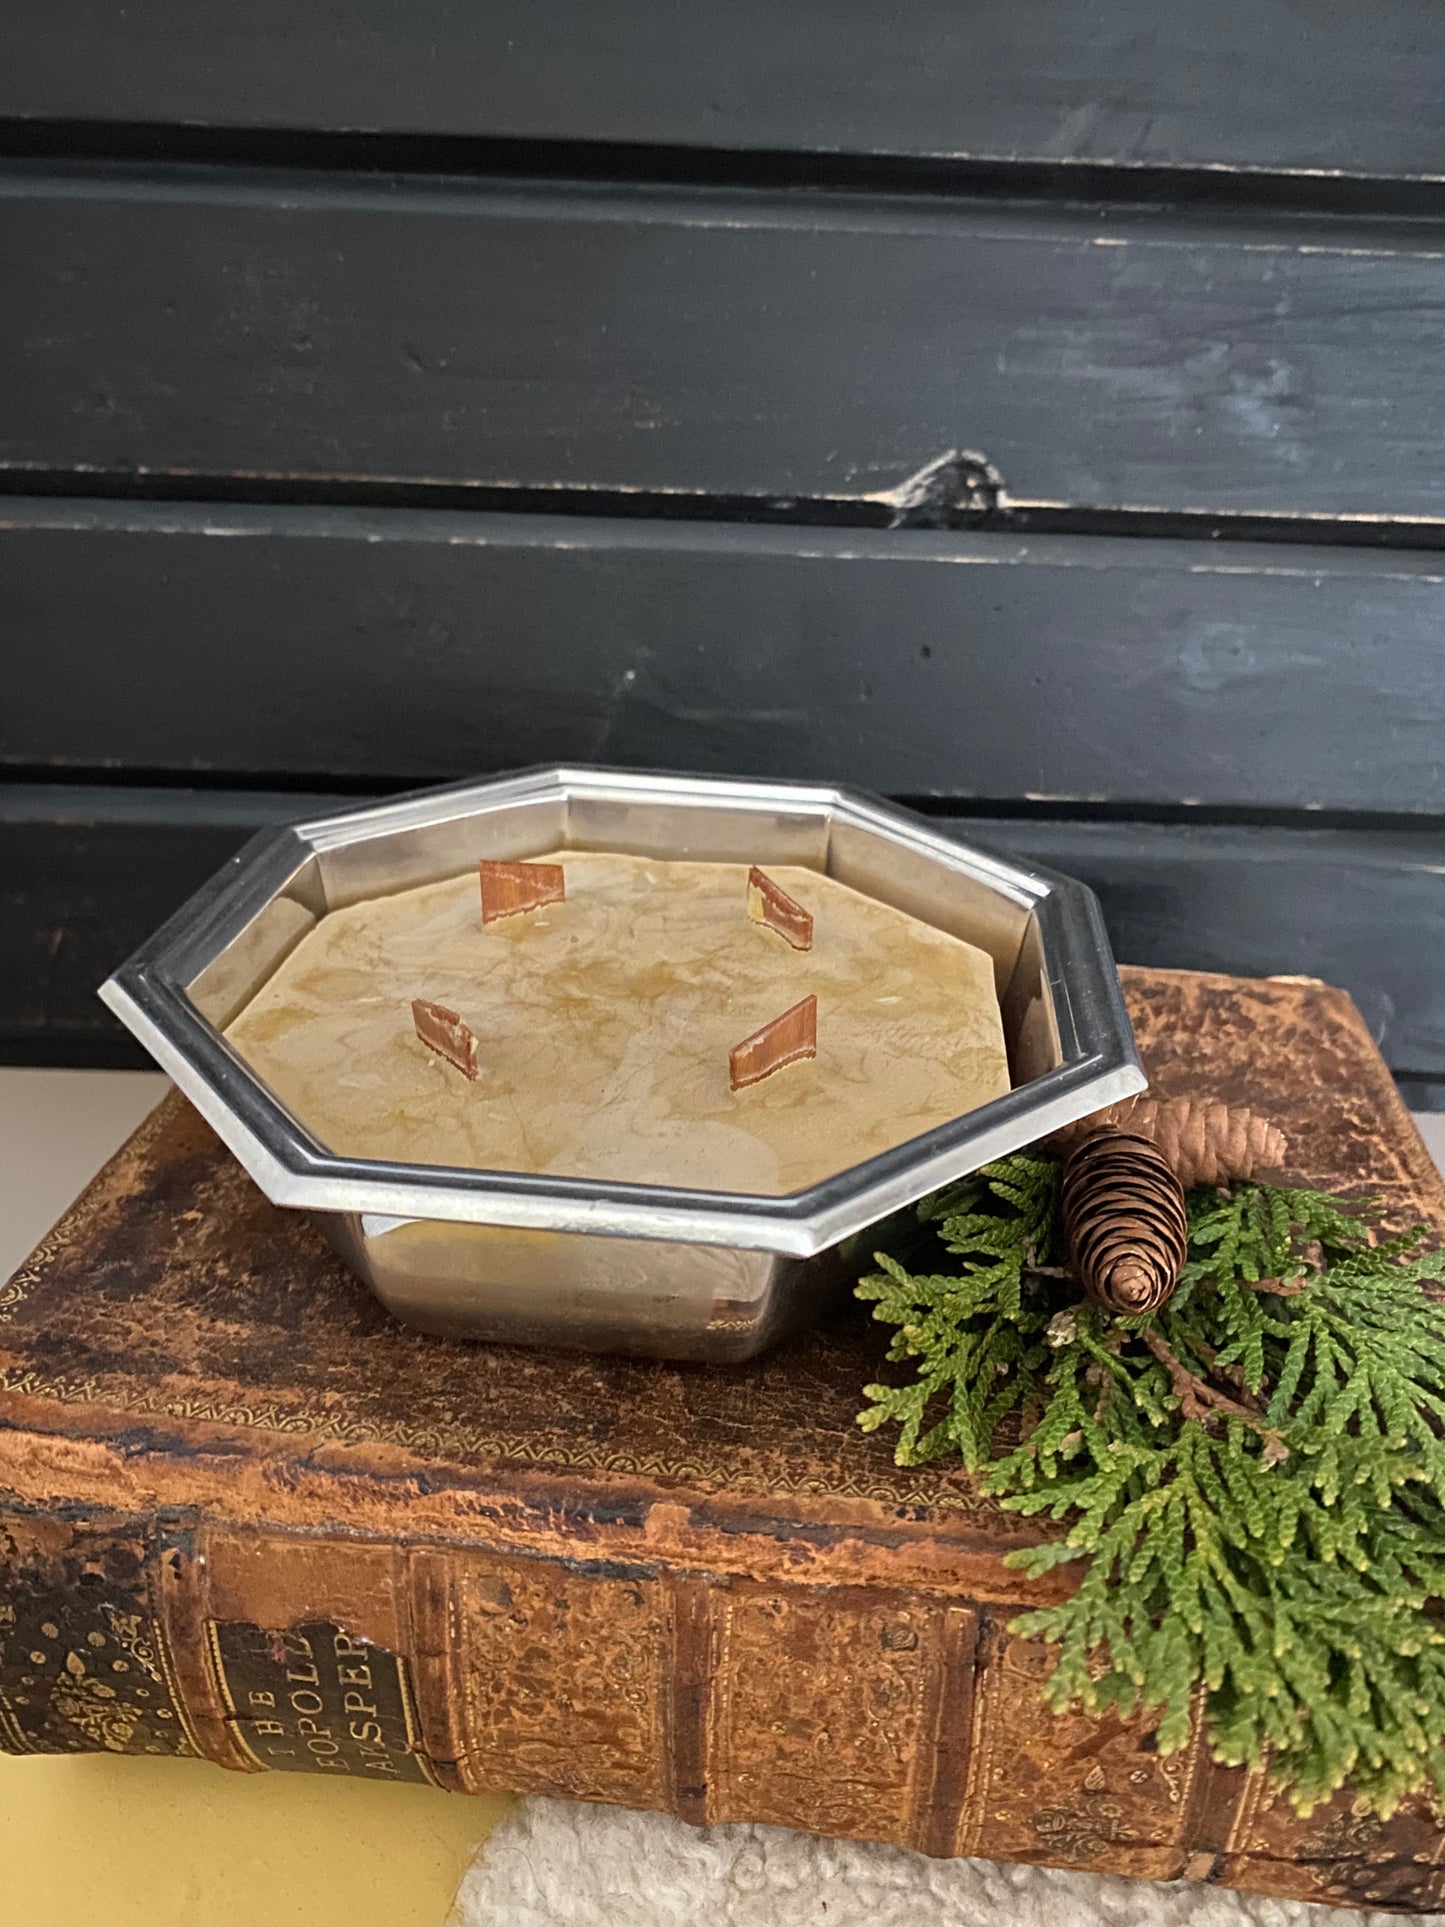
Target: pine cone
(1206,1142)
(1124,1221)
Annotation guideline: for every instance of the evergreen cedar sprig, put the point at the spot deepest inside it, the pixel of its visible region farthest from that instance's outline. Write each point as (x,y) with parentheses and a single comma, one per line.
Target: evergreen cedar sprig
(1280,1552)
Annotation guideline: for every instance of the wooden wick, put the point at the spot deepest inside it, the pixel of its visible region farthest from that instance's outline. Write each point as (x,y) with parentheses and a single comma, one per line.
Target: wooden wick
(785,1040)
(774,907)
(510,888)
(444,1032)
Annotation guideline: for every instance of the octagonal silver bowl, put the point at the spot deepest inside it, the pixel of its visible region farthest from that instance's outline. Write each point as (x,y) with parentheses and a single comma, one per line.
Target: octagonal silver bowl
(601,1265)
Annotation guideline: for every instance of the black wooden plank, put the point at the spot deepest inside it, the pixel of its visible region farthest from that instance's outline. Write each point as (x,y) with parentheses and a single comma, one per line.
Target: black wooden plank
(336,646)
(1361,909)
(88,872)
(719,342)
(1238,84)
(85,874)
(1423,1094)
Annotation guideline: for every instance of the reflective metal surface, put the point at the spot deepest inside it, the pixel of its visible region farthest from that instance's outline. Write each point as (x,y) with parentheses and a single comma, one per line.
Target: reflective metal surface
(605,1265)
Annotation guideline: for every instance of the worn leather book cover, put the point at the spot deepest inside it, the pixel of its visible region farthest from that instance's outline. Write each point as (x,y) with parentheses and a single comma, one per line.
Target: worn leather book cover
(247,1515)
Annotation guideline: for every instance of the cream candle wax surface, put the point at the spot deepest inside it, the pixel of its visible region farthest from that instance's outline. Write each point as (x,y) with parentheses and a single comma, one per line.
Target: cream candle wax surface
(603,1025)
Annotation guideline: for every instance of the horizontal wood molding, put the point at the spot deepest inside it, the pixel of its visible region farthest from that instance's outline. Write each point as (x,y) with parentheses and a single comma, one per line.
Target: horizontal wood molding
(352,646)
(90,871)
(1241,84)
(718,342)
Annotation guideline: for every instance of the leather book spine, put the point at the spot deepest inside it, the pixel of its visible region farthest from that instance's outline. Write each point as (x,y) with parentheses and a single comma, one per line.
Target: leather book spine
(84,1666)
(117,1635)
(878,1712)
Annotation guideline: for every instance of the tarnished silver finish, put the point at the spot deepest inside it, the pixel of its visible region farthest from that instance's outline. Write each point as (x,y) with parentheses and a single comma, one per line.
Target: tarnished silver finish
(607,1266)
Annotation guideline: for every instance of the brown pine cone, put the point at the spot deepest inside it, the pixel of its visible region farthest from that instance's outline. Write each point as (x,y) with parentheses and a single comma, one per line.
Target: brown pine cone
(1206,1142)
(1123,1210)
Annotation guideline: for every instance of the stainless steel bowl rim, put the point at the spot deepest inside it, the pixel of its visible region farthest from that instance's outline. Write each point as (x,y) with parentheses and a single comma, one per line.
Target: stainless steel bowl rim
(148,994)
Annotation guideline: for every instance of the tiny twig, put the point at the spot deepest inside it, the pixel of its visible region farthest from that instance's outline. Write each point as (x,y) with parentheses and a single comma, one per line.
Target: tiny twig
(1036,1270)
(1197,1398)
(1232,1374)
(1279,1287)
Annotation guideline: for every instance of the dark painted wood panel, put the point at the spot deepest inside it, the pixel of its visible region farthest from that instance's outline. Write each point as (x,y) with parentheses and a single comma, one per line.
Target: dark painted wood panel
(1366,910)
(717,342)
(86,873)
(341,645)
(1239,83)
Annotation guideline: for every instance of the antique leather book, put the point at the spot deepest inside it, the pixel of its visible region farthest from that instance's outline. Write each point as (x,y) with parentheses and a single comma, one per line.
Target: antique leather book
(246,1515)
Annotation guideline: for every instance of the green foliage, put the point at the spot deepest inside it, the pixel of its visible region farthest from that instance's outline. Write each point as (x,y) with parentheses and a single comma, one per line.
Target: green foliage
(1271,1552)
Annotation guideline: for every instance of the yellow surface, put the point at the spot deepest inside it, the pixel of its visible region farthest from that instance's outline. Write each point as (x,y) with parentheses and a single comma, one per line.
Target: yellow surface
(93,1840)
